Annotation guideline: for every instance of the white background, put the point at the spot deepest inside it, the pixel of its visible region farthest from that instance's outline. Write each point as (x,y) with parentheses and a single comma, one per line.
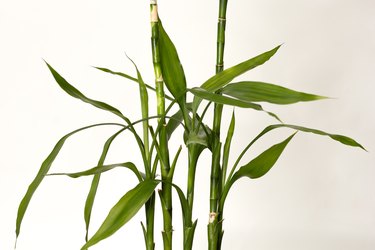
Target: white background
(319,196)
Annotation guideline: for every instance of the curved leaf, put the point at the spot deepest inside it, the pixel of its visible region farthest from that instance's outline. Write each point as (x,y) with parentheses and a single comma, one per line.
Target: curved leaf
(220,99)
(105,168)
(340,138)
(123,211)
(72,91)
(46,165)
(266,92)
(95,182)
(173,73)
(130,78)
(260,165)
(219,80)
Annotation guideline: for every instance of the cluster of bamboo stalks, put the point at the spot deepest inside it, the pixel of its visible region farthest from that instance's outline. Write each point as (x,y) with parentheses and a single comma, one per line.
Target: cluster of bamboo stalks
(219,90)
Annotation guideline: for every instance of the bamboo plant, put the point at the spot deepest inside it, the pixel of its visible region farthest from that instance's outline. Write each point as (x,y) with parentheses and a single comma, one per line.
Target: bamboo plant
(159,163)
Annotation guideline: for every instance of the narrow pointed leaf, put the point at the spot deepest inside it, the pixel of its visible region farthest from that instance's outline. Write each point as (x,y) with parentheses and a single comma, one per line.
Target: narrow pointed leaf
(221,79)
(130,78)
(90,199)
(72,91)
(267,92)
(263,162)
(123,211)
(46,165)
(173,73)
(340,138)
(105,168)
(220,99)
(226,150)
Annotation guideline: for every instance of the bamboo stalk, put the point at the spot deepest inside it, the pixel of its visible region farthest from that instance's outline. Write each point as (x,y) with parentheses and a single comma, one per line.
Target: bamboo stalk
(215,217)
(166,191)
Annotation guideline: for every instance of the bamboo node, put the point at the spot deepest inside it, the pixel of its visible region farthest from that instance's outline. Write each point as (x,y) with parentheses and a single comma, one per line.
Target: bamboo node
(212,217)
(159,79)
(154,14)
(222,19)
(153,2)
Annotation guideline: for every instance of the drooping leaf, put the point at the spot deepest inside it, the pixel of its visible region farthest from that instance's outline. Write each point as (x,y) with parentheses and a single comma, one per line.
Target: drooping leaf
(123,211)
(130,78)
(173,73)
(46,165)
(220,99)
(340,138)
(72,91)
(105,168)
(265,92)
(260,165)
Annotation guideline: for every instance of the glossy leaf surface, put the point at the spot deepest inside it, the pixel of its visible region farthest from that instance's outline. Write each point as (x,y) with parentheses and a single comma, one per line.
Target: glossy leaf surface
(173,73)
(123,211)
(260,165)
(220,99)
(266,92)
(221,79)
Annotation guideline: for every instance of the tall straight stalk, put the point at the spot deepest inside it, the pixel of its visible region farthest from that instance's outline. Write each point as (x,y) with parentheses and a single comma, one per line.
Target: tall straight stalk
(215,217)
(166,191)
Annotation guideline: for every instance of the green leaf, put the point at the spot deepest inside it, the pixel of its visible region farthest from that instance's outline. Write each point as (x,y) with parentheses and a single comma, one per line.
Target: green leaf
(220,99)
(263,162)
(173,73)
(266,92)
(130,78)
(72,91)
(221,79)
(119,74)
(123,211)
(46,165)
(340,138)
(173,123)
(105,168)
(95,182)
(226,150)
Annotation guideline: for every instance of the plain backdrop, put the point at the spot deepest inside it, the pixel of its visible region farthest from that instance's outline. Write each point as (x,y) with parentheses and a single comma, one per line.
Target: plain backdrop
(320,195)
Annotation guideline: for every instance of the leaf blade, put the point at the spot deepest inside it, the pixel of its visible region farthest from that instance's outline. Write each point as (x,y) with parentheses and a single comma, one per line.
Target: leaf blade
(46,165)
(173,73)
(104,168)
(266,92)
(225,100)
(72,91)
(219,80)
(123,211)
(260,165)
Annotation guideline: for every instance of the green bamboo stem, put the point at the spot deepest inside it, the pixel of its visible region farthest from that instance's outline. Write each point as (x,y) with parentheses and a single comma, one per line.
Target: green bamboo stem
(193,155)
(166,191)
(215,217)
